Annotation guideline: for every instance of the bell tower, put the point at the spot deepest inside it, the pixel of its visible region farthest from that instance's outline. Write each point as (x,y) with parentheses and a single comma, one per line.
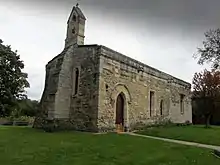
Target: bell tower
(75,27)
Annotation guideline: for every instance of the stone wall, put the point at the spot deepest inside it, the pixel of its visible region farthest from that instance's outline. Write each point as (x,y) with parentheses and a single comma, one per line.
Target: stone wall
(47,103)
(60,106)
(135,80)
(83,110)
(103,75)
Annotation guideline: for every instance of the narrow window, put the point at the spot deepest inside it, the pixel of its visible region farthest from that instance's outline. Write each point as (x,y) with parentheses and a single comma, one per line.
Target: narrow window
(74,18)
(106,87)
(151,102)
(161,107)
(182,103)
(76,80)
(74,30)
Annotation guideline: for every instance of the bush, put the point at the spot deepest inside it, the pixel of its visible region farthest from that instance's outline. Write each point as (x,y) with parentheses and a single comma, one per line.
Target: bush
(5,121)
(10,119)
(138,126)
(186,123)
(28,119)
(161,122)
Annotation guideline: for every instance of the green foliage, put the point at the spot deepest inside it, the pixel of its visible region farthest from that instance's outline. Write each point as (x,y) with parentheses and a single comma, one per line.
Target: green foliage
(210,52)
(27,107)
(161,122)
(12,80)
(28,119)
(16,112)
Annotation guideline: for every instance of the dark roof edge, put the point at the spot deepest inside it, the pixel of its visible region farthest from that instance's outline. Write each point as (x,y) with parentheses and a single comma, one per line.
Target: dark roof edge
(66,48)
(57,56)
(91,45)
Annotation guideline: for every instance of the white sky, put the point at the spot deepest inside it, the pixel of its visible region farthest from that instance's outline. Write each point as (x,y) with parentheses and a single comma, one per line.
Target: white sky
(39,35)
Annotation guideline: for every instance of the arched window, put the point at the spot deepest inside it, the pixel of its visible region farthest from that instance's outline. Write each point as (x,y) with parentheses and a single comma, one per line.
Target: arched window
(74,18)
(161,107)
(76,81)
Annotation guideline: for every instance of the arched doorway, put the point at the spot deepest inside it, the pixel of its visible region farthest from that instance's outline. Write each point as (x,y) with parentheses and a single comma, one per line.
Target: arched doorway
(119,121)
(121,92)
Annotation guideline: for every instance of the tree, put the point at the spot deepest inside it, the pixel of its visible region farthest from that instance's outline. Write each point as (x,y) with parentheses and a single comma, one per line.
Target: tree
(206,86)
(28,107)
(210,52)
(12,80)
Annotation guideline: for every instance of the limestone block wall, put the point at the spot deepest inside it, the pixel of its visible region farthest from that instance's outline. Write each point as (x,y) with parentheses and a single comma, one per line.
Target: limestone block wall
(47,102)
(103,75)
(176,115)
(135,80)
(64,108)
(84,105)
(63,94)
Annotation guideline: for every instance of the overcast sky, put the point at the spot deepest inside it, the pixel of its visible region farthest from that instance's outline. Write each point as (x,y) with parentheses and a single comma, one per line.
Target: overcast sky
(161,33)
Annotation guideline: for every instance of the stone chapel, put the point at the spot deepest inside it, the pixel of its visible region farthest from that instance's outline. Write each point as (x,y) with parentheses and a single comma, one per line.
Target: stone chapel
(94,88)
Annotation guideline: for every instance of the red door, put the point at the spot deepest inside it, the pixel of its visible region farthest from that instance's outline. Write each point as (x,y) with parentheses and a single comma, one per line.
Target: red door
(120,113)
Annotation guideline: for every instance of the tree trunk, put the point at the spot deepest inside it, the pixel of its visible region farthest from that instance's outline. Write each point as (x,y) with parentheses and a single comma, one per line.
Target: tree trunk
(208,121)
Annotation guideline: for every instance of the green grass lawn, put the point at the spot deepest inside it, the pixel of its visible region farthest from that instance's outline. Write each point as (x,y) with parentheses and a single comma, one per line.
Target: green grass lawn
(26,146)
(188,133)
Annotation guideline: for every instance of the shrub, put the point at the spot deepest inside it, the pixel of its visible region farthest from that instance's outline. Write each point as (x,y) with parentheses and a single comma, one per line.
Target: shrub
(186,123)
(29,120)
(163,122)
